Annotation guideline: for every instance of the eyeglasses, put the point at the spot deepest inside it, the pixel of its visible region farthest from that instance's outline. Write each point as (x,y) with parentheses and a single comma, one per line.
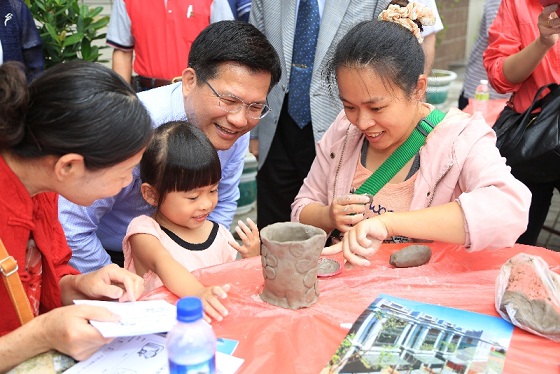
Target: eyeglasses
(233,104)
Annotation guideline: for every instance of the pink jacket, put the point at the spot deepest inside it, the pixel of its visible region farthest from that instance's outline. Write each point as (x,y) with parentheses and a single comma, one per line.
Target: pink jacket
(459,162)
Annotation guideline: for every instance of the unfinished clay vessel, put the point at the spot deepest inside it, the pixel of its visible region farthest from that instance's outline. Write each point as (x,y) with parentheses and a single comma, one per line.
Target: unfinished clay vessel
(290,255)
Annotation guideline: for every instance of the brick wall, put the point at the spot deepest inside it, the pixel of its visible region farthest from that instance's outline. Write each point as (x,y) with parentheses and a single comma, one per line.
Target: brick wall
(451,42)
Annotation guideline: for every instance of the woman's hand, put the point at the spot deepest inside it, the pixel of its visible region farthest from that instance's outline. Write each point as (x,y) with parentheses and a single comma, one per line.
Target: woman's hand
(549,25)
(250,237)
(109,282)
(363,240)
(68,330)
(345,211)
(65,329)
(213,308)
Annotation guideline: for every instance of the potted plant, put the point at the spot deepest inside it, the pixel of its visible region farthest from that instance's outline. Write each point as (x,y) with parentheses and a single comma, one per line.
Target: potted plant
(68,30)
(439,82)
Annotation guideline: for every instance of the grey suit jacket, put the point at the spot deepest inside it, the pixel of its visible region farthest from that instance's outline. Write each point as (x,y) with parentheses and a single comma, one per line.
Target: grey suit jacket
(276,19)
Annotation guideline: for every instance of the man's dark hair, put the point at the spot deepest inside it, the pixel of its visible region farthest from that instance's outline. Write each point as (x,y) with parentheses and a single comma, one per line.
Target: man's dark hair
(237,42)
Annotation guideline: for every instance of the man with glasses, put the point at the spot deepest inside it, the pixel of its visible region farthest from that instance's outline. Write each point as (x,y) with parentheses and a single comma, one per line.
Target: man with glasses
(223,91)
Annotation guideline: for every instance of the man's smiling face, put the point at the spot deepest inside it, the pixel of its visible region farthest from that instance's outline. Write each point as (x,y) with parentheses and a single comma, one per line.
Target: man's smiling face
(202,105)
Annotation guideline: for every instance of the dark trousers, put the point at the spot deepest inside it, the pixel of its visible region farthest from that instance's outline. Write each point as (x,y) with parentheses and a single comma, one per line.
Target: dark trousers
(288,161)
(540,204)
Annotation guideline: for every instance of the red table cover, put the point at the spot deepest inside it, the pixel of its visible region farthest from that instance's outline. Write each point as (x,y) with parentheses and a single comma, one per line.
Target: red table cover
(276,340)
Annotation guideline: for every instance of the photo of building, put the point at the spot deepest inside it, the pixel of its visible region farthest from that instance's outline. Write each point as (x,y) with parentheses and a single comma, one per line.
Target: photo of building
(399,336)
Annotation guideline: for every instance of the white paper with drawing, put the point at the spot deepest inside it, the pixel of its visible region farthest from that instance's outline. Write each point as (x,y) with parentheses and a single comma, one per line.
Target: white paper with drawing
(137,318)
(144,354)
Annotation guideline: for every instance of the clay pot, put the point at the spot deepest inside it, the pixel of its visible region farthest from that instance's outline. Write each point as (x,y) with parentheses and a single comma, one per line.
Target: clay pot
(290,256)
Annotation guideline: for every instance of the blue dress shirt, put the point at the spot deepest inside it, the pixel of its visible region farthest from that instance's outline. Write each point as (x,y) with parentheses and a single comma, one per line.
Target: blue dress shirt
(102,225)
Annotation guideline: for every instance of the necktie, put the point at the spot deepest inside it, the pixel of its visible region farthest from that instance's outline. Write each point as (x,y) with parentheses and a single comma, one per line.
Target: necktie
(305,43)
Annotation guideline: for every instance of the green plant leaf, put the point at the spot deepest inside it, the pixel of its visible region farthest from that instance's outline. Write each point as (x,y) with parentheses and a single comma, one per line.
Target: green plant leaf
(73,39)
(67,28)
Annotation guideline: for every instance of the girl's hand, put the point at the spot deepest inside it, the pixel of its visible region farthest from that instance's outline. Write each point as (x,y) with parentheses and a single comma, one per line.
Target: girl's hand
(363,240)
(250,237)
(345,211)
(213,308)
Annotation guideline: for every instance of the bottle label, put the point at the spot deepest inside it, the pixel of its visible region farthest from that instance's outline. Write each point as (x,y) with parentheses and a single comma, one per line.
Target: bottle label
(206,367)
(482,96)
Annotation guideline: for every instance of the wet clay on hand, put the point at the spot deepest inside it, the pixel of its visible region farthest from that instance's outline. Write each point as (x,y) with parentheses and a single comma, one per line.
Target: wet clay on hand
(412,255)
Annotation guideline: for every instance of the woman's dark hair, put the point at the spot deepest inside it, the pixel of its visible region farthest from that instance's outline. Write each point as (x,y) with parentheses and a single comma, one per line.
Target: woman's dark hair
(233,41)
(179,158)
(388,48)
(74,107)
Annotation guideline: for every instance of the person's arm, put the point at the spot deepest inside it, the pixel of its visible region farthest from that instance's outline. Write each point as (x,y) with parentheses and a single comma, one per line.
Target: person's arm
(80,227)
(148,253)
(429,34)
(254,146)
(31,43)
(119,36)
(122,63)
(344,212)
(440,223)
(111,282)
(65,329)
(232,162)
(429,48)
(519,66)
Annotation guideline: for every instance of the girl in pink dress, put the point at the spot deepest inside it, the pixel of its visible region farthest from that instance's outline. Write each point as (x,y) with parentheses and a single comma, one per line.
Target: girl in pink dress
(180,173)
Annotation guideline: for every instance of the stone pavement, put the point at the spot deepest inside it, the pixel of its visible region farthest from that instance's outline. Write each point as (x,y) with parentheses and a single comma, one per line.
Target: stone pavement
(546,239)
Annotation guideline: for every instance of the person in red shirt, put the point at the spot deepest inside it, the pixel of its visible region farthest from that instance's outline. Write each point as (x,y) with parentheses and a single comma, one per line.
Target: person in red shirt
(523,55)
(154,38)
(69,133)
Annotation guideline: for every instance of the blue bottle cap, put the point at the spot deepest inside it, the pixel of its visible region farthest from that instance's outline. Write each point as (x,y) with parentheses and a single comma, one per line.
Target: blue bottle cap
(189,309)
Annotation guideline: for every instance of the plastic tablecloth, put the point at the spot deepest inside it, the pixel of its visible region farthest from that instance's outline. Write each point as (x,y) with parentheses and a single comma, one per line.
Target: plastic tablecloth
(494,109)
(276,340)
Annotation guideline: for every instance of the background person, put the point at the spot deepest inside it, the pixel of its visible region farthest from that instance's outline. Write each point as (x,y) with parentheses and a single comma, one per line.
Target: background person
(78,131)
(475,70)
(457,188)
(284,145)
(522,56)
(232,67)
(155,37)
(19,37)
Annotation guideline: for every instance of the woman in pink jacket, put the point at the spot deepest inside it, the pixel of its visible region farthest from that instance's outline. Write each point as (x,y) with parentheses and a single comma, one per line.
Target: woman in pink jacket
(456,188)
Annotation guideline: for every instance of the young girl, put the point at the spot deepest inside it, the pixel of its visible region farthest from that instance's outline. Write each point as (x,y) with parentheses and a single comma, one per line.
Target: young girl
(180,172)
(453,187)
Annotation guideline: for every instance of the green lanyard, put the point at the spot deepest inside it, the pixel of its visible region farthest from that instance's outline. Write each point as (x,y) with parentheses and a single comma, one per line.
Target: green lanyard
(402,155)
(399,158)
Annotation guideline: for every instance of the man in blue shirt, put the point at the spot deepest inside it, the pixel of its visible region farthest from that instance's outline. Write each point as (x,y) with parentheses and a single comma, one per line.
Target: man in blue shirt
(223,91)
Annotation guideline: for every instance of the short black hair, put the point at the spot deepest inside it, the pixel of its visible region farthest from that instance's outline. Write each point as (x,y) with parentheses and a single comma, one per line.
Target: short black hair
(179,158)
(236,42)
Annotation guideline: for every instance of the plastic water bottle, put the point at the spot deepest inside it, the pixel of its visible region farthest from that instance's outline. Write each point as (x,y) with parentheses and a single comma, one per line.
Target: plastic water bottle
(481,97)
(191,344)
